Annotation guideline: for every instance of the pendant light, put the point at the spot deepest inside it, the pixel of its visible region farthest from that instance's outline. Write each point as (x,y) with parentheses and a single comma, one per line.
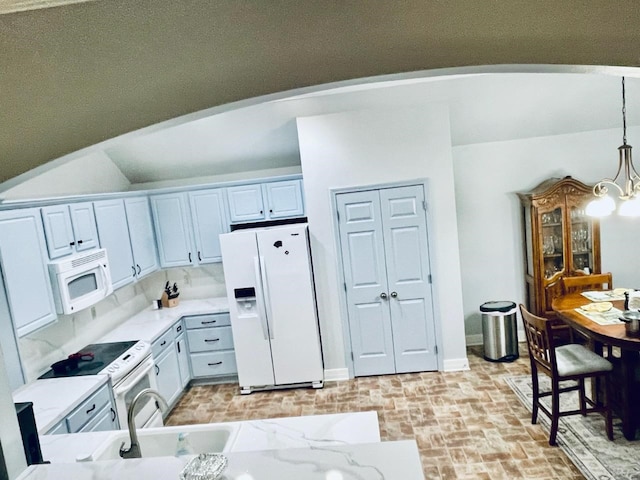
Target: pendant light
(626,183)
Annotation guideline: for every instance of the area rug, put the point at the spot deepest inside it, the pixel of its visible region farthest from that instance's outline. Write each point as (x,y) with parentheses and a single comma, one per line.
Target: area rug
(583,439)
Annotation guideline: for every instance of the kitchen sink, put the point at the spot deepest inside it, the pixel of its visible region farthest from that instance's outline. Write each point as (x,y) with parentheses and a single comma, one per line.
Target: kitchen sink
(161,442)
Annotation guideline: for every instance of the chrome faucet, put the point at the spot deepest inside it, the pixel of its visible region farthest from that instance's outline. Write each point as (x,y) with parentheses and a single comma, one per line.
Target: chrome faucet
(134,450)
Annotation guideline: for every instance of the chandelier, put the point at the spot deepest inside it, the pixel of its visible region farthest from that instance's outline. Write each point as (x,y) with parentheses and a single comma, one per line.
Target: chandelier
(626,183)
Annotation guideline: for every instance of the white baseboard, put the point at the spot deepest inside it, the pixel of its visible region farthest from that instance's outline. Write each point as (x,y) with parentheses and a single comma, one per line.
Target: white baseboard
(474,339)
(336,374)
(477,339)
(455,364)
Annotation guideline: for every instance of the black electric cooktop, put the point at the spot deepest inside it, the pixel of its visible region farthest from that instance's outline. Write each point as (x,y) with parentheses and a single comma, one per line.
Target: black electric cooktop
(103,355)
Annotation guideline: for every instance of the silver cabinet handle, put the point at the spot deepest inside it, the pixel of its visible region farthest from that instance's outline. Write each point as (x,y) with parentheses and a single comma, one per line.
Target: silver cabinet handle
(394,294)
(383,296)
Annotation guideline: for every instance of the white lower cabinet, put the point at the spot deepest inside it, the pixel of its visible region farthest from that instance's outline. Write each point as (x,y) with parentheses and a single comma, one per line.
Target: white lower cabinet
(105,420)
(96,413)
(211,346)
(167,367)
(183,355)
(59,429)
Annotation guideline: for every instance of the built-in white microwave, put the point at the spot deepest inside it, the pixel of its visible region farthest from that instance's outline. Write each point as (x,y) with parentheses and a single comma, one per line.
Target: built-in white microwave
(80,281)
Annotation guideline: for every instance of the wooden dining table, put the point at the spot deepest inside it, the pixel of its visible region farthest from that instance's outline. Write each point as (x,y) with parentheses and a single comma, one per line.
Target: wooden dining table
(625,377)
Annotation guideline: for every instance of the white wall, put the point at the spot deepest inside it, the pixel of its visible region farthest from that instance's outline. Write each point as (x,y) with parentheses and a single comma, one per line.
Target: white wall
(489,219)
(372,147)
(91,173)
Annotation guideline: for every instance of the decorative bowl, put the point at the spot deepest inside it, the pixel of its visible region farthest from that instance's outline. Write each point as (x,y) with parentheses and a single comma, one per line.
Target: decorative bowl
(206,466)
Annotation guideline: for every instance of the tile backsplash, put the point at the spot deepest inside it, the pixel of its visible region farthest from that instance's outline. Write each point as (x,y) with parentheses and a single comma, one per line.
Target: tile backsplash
(70,333)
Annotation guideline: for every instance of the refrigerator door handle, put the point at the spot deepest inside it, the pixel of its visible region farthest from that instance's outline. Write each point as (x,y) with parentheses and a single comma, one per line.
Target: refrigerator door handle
(260,298)
(267,297)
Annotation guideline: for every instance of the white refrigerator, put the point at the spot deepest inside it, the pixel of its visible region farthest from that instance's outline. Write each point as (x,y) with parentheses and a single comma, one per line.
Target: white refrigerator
(269,281)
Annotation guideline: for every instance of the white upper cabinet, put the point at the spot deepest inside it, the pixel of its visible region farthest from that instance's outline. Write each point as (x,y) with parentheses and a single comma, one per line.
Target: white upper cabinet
(113,231)
(283,199)
(266,201)
(245,203)
(126,231)
(24,265)
(187,226)
(209,221)
(173,232)
(69,228)
(142,236)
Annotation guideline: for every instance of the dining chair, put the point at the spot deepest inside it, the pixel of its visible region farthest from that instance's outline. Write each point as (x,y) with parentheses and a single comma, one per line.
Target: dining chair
(562,363)
(582,283)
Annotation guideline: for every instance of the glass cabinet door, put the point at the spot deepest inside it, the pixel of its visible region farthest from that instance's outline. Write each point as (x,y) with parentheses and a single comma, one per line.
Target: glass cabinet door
(552,242)
(581,241)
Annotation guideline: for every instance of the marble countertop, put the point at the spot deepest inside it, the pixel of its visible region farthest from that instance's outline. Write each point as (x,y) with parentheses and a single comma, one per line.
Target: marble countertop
(370,461)
(54,398)
(149,324)
(343,446)
(313,431)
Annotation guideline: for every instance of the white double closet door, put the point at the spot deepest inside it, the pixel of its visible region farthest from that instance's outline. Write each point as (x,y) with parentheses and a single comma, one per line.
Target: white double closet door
(385,255)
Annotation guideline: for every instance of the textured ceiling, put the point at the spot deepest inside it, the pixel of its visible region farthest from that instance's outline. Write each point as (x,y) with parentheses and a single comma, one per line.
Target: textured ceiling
(75,75)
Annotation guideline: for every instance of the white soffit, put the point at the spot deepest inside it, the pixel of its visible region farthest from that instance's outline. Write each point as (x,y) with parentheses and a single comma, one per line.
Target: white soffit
(11,6)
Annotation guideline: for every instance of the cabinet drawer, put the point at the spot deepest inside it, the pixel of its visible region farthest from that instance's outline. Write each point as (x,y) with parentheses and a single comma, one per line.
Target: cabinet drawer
(210,339)
(211,320)
(162,343)
(178,328)
(88,409)
(104,421)
(214,363)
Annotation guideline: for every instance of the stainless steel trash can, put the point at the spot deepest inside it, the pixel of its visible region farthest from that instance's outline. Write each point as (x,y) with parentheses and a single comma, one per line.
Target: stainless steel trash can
(499,331)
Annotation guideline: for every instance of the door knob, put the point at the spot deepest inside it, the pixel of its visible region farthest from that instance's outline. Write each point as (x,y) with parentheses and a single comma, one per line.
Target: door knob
(394,294)
(383,296)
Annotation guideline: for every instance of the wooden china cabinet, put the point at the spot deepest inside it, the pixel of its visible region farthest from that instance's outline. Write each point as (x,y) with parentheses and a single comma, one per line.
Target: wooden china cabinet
(559,239)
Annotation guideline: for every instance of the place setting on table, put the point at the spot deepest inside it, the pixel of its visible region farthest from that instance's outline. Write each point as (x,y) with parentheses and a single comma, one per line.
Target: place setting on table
(603,312)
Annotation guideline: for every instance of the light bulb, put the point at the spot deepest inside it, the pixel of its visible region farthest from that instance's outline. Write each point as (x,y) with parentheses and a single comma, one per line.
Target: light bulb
(600,207)
(630,208)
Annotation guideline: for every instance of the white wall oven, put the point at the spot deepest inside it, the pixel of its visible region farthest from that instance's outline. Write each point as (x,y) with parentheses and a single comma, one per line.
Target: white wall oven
(131,368)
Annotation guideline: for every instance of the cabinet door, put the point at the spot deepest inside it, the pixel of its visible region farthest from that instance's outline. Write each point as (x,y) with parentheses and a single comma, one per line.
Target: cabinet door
(168,375)
(209,221)
(245,203)
(284,199)
(84,226)
(183,359)
(172,229)
(582,241)
(58,230)
(24,267)
(143,240)
(113,231)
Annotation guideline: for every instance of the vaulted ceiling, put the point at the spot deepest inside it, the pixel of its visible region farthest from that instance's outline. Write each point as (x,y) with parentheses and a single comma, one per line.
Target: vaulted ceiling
(78,74)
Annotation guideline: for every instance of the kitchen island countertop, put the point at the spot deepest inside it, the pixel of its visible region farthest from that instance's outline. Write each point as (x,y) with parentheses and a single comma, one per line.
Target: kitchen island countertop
(324,447)
(370,461)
